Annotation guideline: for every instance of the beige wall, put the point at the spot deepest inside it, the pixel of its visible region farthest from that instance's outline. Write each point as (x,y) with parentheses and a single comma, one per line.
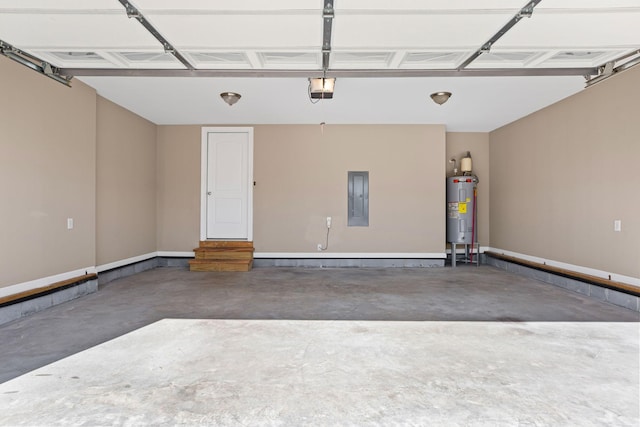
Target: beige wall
(301,178)
(558,179)
(126,184)
(458,143)
(47,174)
(178,182)
(561,176)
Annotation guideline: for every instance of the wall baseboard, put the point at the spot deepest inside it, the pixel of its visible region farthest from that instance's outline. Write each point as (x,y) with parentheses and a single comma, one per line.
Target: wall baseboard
(126,261)
(571,267)
(24,307)
(150,260)
(349,262)
(591,289)
(45,281)
(127,267)
(127,270)
(351,255)
(460,250)
(176,254)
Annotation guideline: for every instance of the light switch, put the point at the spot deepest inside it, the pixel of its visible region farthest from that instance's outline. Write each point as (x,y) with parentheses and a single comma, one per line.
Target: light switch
(617,225)
(69,223)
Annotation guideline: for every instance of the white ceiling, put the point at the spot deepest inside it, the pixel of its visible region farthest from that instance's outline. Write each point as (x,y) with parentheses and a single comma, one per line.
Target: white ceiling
(478,104)
(281,35)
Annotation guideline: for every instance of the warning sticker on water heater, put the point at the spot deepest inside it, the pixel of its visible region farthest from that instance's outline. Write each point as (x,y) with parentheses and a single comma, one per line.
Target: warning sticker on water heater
(462,208)
(452,210)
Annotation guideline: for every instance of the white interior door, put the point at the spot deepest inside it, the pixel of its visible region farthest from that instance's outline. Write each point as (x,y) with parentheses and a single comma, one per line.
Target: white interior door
(227,186)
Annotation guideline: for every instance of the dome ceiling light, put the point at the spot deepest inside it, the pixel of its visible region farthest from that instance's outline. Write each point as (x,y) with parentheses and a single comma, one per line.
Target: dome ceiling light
(230,97)
(440,97)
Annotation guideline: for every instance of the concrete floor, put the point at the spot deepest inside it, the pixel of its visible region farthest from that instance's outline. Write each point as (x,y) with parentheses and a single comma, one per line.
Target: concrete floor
(335,373)
(468,293)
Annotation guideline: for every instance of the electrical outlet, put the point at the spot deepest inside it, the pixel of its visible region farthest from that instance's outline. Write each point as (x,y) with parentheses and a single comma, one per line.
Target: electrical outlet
(328,222)
(617,225)
(319,246)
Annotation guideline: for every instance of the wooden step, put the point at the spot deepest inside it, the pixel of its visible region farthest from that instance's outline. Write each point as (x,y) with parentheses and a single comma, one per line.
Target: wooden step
(220,265)
(225,244)
(221,253)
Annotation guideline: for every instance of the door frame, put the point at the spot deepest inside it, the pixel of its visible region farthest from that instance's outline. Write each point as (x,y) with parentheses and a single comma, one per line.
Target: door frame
(204,157)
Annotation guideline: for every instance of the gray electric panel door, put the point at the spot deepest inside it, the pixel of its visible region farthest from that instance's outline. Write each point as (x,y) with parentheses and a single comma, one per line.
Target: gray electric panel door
(358,193)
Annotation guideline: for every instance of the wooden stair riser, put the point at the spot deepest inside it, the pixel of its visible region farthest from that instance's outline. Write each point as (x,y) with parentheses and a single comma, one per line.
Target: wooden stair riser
(219,255)
(234,265)
(227,244)
(223,255)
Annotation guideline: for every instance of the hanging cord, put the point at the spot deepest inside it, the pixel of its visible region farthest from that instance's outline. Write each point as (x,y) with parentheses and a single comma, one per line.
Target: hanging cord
(326,245)
(310,98)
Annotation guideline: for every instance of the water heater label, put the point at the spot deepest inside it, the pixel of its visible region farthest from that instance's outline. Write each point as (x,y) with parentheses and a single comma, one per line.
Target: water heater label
(452,210)
(462,208)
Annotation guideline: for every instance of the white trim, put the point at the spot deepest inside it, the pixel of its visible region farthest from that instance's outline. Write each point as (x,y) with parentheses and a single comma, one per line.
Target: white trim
(393,255)
(123,262)
(203,176)
(45,281)
(203,182)
(176,254)
(475,250)
(250,189)
(576,268)
(296,255)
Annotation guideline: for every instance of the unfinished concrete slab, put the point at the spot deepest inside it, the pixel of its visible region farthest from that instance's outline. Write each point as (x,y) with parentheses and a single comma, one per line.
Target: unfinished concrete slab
(291,372)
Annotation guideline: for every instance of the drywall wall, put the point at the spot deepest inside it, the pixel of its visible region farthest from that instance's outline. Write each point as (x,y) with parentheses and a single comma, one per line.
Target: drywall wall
(458,143)
(178,186)
(561,176)
(47,174)
(126,184)
(301,178)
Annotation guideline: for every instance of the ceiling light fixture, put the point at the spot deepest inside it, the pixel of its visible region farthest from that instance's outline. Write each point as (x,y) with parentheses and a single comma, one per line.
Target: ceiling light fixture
(440,97)
(321,87)
(230,97)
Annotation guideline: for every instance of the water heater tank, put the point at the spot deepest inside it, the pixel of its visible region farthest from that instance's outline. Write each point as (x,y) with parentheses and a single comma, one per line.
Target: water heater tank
(460,208)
